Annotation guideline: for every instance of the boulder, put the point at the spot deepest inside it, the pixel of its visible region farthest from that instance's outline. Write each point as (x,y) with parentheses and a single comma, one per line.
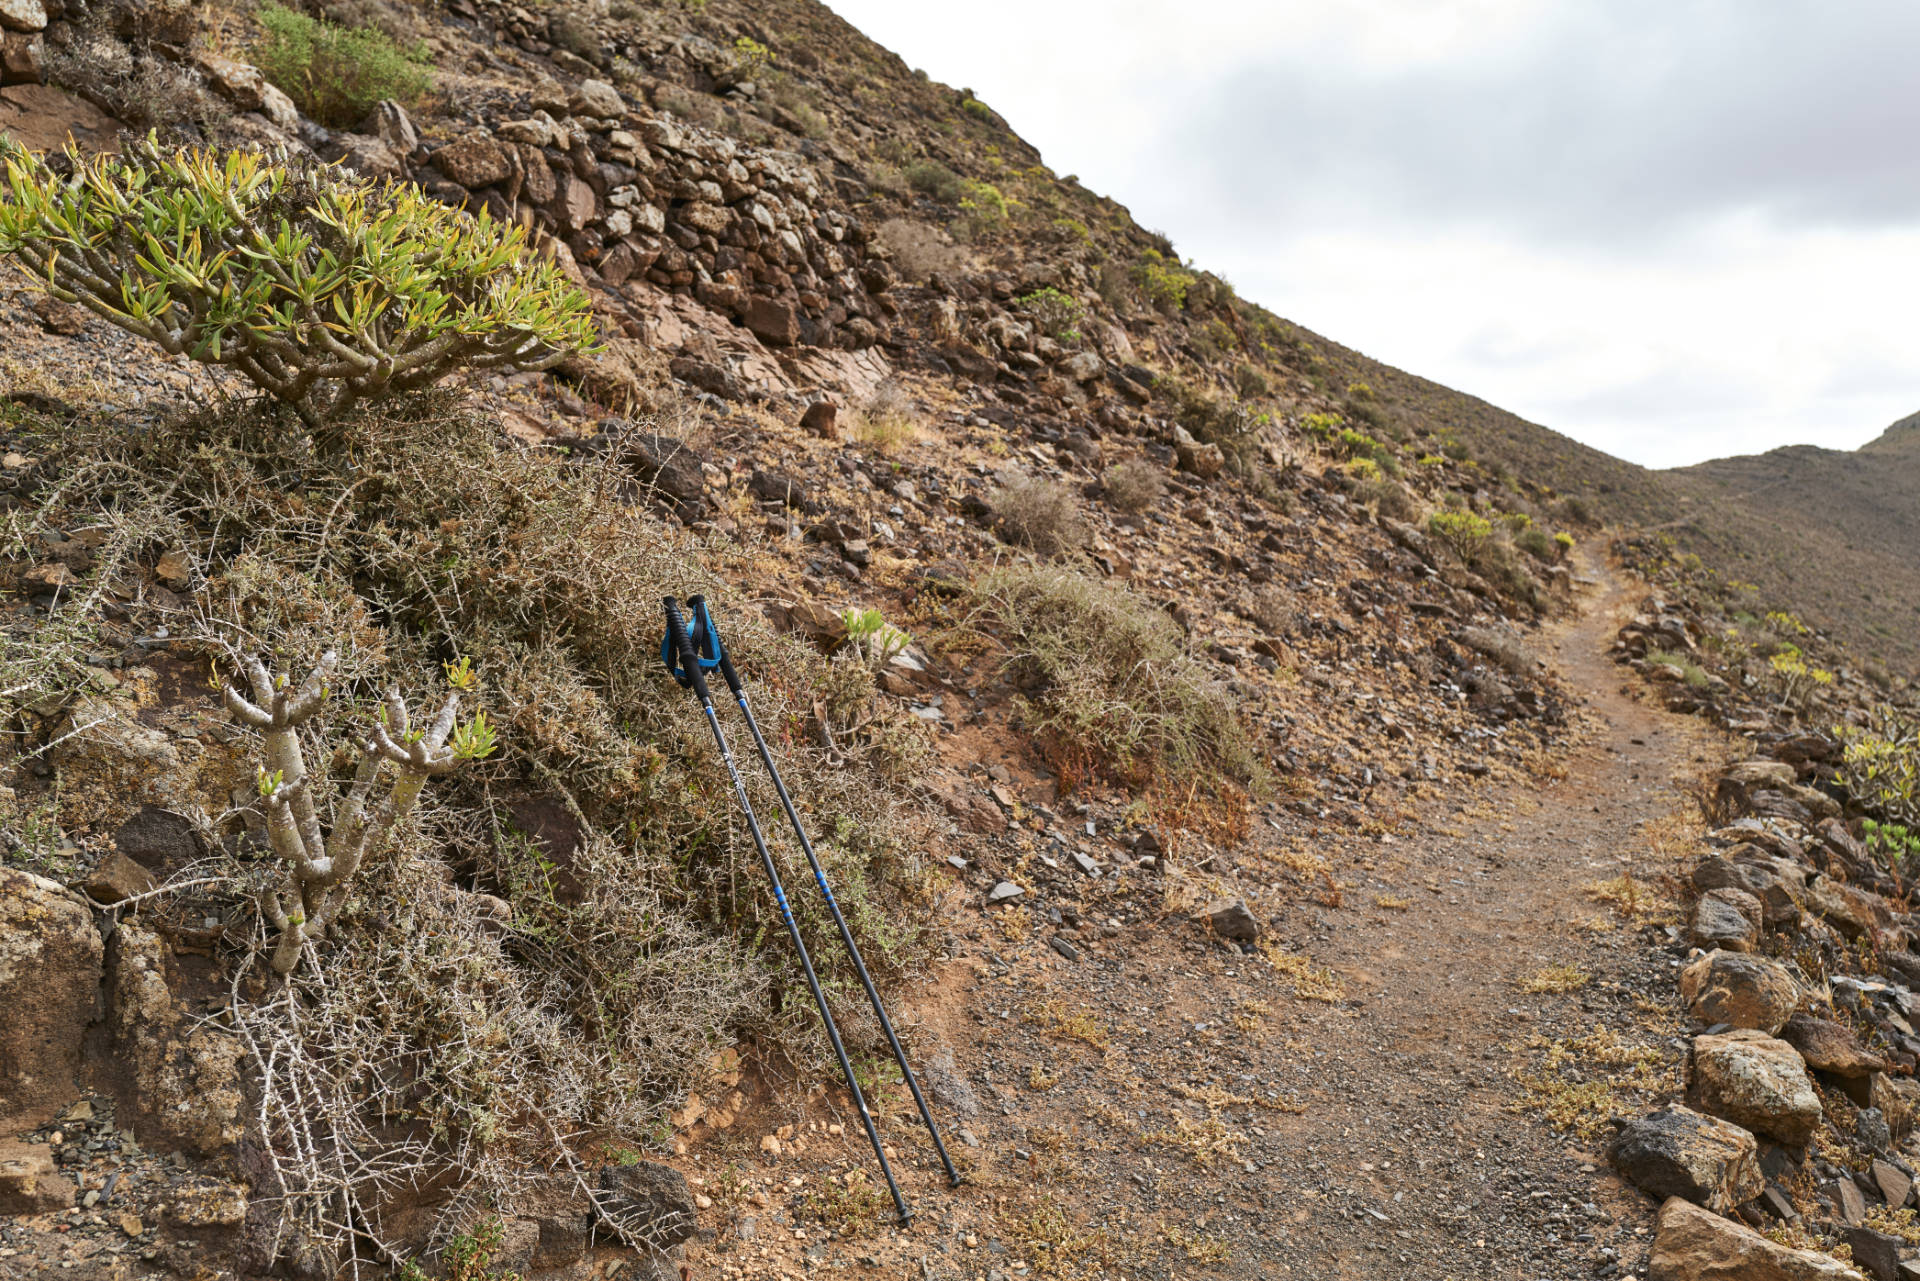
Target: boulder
(390,123)
(475,160)
(1856,913)
(1728,918)
(1755,1081)
(772,321)
(1204,461)
(49,975)
(23,15)
(117,877)
(1678,1152)
(29,1181)
(1827,1046)
(1877,1253)
(367,156)
(1761,773)
(597,98)
(1734,987)
(1775,881)
(667,465)
(1898,1100)
(183,1081)
(646,1204)
(21,58)
(1692,1244)
(822,419)
(573,203)
(1231,918)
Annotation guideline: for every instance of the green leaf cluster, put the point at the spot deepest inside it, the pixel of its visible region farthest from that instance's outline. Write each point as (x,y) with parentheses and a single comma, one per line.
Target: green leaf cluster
(1163,280)
(1466,533)
(322,289)
(1055,312)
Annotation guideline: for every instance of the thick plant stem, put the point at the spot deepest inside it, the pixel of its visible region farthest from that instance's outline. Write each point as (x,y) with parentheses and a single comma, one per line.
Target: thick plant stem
(318,868)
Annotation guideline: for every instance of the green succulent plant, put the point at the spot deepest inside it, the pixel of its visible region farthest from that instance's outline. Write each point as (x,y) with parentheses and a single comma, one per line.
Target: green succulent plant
(322,289)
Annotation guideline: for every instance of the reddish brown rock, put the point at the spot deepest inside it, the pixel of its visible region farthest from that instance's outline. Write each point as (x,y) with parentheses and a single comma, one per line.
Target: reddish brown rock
(1692,1244)
(1743,990)
(476,160)
(1830,1047)
(29,1182)
(773,321)
(822,419)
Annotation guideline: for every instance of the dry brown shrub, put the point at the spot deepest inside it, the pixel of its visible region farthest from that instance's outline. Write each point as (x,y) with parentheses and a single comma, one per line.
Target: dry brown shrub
(1038,514)
(1134,485)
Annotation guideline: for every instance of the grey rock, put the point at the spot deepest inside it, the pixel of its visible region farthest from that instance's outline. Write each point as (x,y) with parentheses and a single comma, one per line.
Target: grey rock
(1064,948)
(1729,918)
(598,98)
(1876,1253)
(1754,1081)
(1895,1184)
(646,1204)
(1231,918)
(1678,1152)
(1004,891)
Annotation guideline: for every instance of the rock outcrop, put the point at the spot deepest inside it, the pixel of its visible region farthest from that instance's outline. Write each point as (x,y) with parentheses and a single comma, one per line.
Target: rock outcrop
(50,958)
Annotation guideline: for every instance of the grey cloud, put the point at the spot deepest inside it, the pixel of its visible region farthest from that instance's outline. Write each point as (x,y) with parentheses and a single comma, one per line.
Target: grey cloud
(1613,122)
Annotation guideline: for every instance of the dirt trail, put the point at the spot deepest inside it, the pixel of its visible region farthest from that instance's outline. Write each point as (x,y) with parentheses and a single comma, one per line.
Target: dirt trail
(1408,1158)
(1418,1086)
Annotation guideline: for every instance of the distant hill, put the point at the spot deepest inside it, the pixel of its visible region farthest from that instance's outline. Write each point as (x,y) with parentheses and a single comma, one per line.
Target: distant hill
(1831,534)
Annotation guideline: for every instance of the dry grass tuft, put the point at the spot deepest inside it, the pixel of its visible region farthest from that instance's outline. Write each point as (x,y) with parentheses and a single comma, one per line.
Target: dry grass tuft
(1038,514)
(1555,979)
(1133,486)
(1107,685)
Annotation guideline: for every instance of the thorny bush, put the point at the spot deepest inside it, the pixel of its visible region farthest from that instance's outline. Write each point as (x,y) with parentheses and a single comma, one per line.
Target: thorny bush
(641,939)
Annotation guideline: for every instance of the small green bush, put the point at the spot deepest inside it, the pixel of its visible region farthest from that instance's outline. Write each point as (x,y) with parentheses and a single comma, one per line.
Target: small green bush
(1894,844)
(1880,766)
(1163,280)
(1056,313)
(321,289)
(983,208)
(1322,426)
(1464,532)
(978,110)
(1537,544)
(336,74)
(931,178)
(1692,674)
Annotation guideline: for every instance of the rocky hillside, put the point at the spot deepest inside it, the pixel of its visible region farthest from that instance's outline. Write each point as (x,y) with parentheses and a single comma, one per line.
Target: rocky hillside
(1120,641)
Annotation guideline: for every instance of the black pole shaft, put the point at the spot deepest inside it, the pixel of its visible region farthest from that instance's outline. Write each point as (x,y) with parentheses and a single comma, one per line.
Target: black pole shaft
(846,934)
(677,627)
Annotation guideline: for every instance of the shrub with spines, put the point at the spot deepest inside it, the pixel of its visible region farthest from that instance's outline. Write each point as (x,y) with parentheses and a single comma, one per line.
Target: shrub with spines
(323,290)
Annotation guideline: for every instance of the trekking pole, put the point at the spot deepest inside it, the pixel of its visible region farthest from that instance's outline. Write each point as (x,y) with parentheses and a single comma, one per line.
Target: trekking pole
(713,653)
(687,671)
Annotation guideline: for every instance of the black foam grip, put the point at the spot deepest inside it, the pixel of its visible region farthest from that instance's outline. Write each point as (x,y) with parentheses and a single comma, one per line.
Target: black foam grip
(683,644)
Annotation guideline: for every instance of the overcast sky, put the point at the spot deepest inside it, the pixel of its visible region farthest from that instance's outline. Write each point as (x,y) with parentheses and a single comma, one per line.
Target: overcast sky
(1673,229)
